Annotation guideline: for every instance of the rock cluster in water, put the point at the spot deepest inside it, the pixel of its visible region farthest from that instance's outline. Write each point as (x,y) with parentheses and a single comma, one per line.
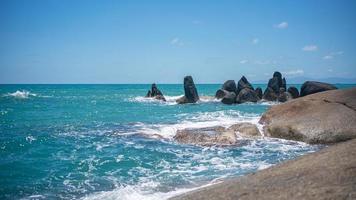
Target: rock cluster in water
(155,93)
(190,92)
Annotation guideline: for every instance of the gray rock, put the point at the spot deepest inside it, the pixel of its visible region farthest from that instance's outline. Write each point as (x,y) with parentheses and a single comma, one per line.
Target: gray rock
(245,129)
(229,86)
(325,117)
(220,93)
(311,87)
(247,95)
(190,92)
(270,95)
(293,91)
(242,84)
(229,98)
(155,93)
(258,91)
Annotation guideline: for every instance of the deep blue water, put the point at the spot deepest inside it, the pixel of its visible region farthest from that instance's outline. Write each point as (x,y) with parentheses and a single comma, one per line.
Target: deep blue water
(90,141)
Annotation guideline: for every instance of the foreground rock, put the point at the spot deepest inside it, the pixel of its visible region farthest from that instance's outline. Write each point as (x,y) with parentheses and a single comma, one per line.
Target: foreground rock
(327,174)
(311,87)
(190,92)
(326,117)
(217,135)
(155,93)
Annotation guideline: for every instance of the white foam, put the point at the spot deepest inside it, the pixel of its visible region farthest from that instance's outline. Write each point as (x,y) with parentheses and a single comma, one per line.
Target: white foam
(21,94)
(171,100)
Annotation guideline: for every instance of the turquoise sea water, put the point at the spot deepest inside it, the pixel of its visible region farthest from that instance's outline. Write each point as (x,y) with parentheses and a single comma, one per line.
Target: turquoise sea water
(96,142)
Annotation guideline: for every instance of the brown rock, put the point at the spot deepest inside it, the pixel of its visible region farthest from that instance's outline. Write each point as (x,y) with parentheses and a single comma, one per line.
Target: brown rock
(325,117)
(328,174)
(245,129)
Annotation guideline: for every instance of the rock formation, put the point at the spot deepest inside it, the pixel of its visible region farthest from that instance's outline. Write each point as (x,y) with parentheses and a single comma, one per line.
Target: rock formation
(325,117)
(311,87)
(190,92)
(293,91)
(273,87)
(155,93)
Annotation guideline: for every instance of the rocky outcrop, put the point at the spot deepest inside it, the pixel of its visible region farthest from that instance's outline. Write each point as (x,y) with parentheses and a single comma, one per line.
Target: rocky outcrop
(325,117)
(229,98)
(311,87)
(155,93)
(217,135)
(247,95)
(283,95)
(220,93)
(293,91)
(273,87)
(190,92)
(327,174)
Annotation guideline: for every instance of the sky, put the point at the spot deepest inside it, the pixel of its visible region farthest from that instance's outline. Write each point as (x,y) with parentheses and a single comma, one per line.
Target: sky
(88,41)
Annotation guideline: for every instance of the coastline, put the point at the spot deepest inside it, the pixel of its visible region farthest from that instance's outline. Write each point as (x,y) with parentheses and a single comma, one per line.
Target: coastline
(327,174)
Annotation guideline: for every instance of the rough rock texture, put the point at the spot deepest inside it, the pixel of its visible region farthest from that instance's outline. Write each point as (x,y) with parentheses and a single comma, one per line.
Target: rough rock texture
(220,93)
(270,95)
(327,174)
(218,135)
(284,96)
(155,93)
(206,136)
(229,98)
(190,92)
(247,95)
(242,84)
(311,87)
(325,117)
(229,86)
(245,129)
(293,91)
(258,91)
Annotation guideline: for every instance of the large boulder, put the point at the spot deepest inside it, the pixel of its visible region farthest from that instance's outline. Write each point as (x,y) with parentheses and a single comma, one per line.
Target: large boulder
(155,93)
(229,98)
(229,86)
(258,91)
(293,91)
(247,95)
(326,117)
(270,95)
(190,92)
(311,87)
(242,84)
(245,129)
(273,83)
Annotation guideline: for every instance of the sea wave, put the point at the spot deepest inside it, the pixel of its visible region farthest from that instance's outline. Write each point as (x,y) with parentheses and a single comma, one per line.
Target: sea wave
(21,94)
(171,100)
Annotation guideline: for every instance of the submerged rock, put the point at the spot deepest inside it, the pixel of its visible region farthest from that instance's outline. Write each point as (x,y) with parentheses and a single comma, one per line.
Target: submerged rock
(155,93)
(325,117)
(247,95)
(311,87)
(190,92)
(218,135)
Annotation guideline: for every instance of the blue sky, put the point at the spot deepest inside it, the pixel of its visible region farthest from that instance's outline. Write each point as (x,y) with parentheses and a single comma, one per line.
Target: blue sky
(62,41)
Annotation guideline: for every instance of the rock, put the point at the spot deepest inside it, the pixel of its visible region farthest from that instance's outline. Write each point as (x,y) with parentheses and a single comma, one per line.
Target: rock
(220,93)
(247,95)
(274,85)
(284,83)
(155,93)
(311,87)
(270,95)
(293,91)
(208,136)
(243,83)
(284,96)
(326,117)
(327,174)
(278,76)
(229,86)
(229,98)
(190,92)
(245,129)
(258,91)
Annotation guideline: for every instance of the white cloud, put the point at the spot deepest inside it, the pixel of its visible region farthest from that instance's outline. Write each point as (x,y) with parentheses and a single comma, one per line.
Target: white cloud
(176,42)
(255,41)
(282,25)
(262,62)
(294,72)
(243,61)
(310,48)
(328,57)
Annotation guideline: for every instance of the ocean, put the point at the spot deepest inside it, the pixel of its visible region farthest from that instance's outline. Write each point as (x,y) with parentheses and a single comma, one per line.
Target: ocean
(100,142)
